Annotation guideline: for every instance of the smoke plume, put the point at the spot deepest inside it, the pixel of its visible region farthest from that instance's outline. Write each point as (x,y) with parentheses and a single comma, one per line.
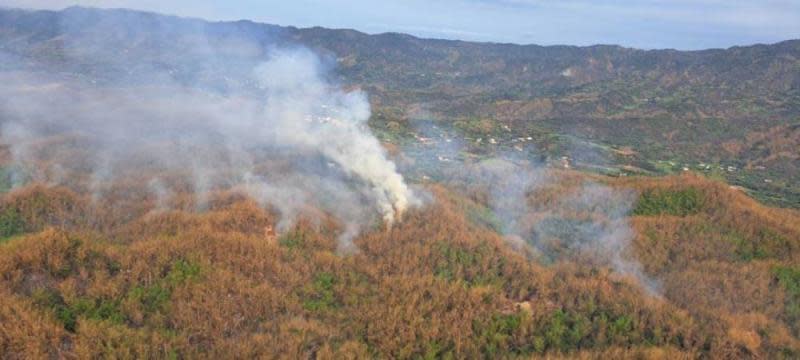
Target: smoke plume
(586,222)
(537,210)
(293,141)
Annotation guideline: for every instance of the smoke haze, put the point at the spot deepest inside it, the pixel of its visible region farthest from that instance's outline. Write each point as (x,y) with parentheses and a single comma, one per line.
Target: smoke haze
(314,135)
(584,221)
(263,116)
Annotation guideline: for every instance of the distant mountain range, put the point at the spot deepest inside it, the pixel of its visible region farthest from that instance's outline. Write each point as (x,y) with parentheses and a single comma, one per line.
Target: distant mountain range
(733,113)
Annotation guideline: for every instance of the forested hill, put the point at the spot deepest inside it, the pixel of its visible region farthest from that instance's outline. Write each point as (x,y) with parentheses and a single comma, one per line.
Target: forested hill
(732,112)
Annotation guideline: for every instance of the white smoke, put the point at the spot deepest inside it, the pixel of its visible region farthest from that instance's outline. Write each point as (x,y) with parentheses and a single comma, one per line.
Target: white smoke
(293,141)
(585,222)
(309,114)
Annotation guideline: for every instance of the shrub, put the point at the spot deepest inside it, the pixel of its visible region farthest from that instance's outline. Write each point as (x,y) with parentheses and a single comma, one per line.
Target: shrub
(495,333)
(321,293)
(182,271)
(669,202)
(483,216)
(6,181)
(293,239)
(155,297)
(563,331)
(69,313)
(469,265)
(152,298)
(11,223)
(789,278)
(766,244)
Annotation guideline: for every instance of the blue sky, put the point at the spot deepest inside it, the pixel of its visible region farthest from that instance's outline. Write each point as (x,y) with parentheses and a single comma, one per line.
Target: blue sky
(680,24)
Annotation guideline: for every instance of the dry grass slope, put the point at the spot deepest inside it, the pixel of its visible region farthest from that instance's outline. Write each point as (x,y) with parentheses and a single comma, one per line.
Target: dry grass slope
(81,279)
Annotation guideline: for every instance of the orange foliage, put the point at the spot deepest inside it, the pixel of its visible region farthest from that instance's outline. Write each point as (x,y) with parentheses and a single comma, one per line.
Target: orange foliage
(123,278)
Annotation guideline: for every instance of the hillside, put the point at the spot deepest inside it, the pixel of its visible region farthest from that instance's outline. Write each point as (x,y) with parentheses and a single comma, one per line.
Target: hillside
(441,283)
(176,188)
(730,113)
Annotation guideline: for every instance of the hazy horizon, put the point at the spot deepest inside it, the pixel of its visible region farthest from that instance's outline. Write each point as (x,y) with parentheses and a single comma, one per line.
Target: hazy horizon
(648,24)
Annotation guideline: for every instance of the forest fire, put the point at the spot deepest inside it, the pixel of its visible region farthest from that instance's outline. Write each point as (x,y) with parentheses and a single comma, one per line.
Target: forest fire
(177,188)
(293,121)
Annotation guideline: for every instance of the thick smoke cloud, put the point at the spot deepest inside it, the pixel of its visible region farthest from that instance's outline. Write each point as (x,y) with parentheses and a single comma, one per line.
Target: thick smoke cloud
(309,115)
(293,142)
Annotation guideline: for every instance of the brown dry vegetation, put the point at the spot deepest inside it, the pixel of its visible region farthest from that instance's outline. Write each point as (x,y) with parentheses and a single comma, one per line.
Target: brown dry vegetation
(116,278)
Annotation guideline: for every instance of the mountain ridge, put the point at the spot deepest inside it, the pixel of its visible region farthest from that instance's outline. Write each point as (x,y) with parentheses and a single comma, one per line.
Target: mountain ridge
(690,106)
(345,29)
